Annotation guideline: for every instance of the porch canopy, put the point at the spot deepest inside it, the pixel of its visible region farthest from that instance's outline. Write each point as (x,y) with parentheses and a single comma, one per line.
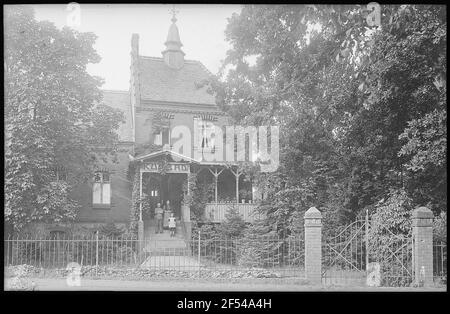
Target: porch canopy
(178,163)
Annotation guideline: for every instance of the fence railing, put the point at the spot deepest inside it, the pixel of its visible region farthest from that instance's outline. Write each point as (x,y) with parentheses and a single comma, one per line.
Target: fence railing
(273,256)
(284,256)
(348,252)
(440,262)
(344,254)
(216,212)
(58,252)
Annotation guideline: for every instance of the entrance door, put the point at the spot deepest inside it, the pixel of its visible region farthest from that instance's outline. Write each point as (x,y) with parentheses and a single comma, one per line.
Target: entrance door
(176,195)
(160,188)
(172,190)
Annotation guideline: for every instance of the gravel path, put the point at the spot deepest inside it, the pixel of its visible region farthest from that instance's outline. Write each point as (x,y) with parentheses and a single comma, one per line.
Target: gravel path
(44,284)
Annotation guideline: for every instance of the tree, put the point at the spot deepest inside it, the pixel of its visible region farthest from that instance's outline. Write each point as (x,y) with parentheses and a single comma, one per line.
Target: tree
(234,225)
(402,76)
(53,116)
(343,92)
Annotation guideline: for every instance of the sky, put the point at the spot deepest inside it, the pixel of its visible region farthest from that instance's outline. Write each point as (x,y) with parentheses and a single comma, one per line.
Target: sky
(201,30)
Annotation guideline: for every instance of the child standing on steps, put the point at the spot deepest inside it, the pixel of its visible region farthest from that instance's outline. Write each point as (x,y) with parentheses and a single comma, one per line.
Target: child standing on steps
(172,224)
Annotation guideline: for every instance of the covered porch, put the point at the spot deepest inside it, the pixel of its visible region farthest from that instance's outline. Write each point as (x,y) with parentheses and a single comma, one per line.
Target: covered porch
(164,175)
(229,190)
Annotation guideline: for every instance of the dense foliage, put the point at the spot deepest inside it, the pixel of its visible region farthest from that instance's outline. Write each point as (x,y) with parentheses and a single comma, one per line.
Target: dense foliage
(249,245)
(361,109)
(55,122)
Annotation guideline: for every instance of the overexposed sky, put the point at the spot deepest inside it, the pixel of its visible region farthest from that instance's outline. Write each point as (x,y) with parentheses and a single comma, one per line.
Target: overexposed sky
(201,31)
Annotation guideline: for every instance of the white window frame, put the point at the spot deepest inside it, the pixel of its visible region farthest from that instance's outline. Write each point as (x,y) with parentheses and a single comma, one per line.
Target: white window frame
(105,185)
(207,128)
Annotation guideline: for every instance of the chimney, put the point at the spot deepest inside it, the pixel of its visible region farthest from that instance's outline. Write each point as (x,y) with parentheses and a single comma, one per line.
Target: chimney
(135,45)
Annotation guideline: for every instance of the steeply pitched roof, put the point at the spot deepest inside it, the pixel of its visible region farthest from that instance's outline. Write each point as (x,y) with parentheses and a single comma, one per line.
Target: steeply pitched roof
(158,82)
(165,152)
(121,100)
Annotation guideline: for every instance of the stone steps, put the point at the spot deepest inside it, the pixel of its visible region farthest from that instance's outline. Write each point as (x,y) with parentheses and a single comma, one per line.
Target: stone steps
(177,251)
(178,263)
(162,244)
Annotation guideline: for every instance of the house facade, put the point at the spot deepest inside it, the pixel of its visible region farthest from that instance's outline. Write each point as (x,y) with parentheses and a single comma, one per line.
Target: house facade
(173,131)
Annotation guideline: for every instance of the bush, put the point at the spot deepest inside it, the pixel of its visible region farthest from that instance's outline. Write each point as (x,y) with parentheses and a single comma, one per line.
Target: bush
(111,230)
(234,225)
(259,246)
(200,195)
(440,228)
(254,245)
(389,238)
(214,246)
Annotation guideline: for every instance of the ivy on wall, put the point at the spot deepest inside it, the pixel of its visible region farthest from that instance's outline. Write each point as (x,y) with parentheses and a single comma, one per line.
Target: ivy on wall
(163,166)
(135,201)
(191,185)
(133,176)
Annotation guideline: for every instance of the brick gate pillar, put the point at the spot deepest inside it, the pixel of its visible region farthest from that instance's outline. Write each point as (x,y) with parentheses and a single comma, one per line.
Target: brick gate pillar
(313,246)
(422,223)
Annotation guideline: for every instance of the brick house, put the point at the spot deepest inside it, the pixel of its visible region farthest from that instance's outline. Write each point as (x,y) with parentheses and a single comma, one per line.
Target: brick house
(166,102)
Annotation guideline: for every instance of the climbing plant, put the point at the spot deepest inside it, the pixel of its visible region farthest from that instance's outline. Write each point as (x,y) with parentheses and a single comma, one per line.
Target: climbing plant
(198,195)
(163,166)
(135,201)
(188,188)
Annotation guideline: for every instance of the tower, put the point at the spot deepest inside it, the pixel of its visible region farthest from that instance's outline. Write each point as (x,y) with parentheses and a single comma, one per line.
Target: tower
(173,55)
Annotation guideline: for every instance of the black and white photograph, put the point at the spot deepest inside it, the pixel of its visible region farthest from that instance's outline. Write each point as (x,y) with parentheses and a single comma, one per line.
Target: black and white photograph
(225,147)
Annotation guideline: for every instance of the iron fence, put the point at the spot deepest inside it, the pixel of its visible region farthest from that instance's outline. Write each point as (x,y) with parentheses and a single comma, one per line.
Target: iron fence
(258,257)
(284,257)
(394,254)
(350,251)
(51,252)
(344,254)
(440,262)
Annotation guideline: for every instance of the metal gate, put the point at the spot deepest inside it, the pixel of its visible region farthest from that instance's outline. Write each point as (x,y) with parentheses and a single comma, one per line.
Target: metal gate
(364,249)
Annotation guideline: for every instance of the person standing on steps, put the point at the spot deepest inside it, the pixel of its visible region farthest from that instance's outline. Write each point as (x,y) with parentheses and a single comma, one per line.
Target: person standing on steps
(167,206)
(159,218)
(167,212)
(172,225)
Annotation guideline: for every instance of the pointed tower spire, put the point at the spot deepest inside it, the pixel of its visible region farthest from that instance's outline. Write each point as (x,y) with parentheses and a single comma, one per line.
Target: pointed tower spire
(173,55)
